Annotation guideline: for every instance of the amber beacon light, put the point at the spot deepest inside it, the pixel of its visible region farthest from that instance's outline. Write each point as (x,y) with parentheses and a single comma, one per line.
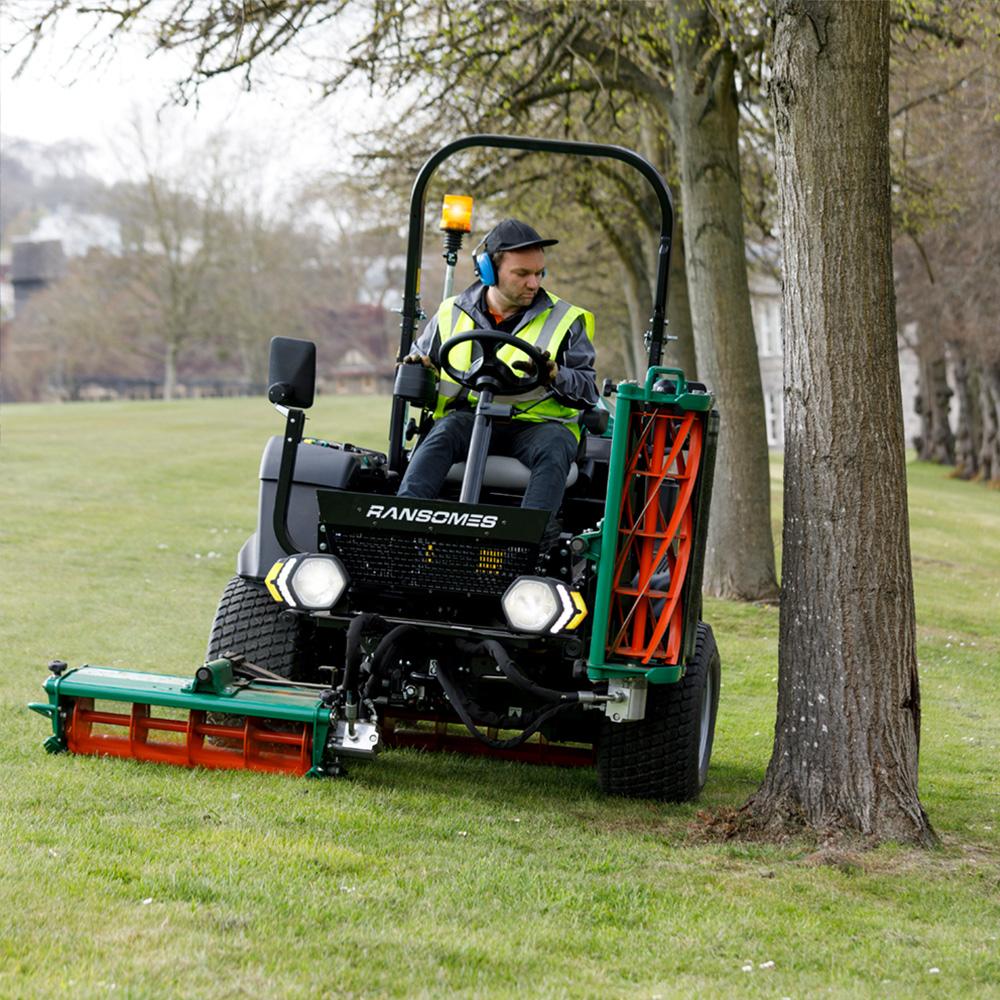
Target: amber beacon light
(456,213)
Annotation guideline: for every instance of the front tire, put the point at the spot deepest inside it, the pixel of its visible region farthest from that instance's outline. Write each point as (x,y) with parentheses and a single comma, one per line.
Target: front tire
(666,755)
(249,622)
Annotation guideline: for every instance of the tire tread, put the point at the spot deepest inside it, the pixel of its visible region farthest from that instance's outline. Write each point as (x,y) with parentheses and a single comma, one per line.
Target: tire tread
(249,622)
(657,757)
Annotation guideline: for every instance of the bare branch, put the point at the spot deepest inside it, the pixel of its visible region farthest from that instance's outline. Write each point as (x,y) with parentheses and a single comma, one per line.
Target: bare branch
(936,93)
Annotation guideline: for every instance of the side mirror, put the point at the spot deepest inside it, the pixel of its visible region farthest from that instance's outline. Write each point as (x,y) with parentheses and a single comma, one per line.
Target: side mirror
(291,374)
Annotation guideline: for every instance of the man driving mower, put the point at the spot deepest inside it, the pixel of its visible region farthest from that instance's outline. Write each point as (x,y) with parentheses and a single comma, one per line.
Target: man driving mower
(544,431)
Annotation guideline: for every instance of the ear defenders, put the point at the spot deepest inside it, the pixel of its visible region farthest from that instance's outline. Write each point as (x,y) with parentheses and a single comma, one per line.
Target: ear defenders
(483,264)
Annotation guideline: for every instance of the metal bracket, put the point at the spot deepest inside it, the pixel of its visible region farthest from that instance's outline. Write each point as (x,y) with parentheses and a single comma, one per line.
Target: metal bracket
(587,545)
(629,699)
(354,739)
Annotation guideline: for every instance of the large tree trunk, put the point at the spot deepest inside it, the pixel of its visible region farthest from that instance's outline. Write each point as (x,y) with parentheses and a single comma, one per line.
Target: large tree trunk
(967,424)
(739,560)
(680,352)
(847,731)
(169,370)
(989,408)
(939,442)
(638,295)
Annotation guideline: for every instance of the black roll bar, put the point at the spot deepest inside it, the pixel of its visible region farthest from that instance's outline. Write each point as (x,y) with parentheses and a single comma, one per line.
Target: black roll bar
(415,240)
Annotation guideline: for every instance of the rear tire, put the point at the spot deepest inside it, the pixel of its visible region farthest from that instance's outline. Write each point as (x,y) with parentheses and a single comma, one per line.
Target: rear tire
(251,623)
(666,755)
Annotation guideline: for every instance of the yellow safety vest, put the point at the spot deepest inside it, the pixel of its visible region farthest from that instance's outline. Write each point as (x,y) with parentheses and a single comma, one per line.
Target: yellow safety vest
(546,331)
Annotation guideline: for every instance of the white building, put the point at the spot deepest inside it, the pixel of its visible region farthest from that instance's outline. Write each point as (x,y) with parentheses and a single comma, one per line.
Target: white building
(765,299)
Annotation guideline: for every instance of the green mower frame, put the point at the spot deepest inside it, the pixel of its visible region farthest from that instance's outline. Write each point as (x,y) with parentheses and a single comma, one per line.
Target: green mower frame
(358,619)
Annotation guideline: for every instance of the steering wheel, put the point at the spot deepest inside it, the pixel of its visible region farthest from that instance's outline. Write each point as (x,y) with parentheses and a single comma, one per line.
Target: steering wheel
(488,370)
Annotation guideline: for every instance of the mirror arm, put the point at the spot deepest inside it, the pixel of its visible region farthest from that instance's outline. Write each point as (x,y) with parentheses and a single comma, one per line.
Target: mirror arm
(294,424)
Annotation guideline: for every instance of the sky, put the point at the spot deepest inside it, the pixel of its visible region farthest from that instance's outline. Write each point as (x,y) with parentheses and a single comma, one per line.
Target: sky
(60,96)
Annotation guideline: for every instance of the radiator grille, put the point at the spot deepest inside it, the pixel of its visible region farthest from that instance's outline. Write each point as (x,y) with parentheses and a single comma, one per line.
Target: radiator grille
(424,562)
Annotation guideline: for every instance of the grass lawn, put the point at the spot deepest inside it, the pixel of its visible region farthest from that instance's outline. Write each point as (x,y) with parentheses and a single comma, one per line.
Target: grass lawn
(424,875)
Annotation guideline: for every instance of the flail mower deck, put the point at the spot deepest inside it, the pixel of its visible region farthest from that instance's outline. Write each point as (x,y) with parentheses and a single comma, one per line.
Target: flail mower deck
(358,618)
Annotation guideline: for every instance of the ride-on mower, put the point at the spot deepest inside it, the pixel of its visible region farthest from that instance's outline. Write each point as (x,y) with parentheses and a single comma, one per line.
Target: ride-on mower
(358,618)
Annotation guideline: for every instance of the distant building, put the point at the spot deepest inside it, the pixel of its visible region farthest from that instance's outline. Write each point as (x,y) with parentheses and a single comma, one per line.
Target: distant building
(6,288)
(765,299)
(909,376)
(35,264)
(765,302)
(79,232)
(356,348)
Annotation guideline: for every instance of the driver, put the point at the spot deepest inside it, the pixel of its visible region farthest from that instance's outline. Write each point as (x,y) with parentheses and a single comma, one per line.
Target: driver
(545,430)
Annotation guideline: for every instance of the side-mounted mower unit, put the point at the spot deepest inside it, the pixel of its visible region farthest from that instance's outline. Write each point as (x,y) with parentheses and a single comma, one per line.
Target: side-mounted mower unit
(358,618)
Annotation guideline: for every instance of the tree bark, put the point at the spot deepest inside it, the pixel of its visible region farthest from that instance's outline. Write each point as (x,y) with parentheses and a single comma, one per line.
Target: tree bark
(989,402)
(967,428)
(940,444)
(680,352)
(638,295)
(739,558)
(847,731)
(169,370)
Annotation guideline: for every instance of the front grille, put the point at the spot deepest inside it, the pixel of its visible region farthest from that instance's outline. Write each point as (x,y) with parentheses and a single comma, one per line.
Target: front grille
(423,562)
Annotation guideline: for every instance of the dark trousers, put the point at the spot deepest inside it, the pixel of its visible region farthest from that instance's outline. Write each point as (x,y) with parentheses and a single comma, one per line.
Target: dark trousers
(546,448)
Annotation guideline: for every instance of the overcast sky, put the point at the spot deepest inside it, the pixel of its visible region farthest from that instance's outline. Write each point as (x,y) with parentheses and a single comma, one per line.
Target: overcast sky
(62,97)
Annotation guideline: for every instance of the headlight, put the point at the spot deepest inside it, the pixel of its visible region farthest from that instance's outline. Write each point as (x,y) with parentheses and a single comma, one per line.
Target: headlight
(310,582)
(538,604)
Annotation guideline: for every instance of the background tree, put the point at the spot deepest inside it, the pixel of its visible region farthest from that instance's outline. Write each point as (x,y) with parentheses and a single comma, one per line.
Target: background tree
(946,146)
(604,69)
(71,330)
(706,112)
(41,178)
(847,732)
(645,74)
(195,282)
(172,243)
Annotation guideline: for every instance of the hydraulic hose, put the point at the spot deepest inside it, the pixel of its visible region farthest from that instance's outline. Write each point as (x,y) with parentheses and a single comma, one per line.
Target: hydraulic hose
(380,657)
(352,648)
(510,671)
(461,705)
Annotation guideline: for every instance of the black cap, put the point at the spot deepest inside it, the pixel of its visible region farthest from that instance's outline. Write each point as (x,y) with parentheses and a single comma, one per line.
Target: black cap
(512,234)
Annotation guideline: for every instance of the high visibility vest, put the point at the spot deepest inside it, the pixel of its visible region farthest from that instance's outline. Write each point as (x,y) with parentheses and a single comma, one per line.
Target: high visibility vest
(546,331)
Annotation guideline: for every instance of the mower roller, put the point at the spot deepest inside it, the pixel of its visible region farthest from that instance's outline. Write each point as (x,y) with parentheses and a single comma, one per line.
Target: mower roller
(359,619)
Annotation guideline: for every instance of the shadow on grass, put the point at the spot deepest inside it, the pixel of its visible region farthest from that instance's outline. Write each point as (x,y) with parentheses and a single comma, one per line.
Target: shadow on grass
(513,785)
(481,779)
